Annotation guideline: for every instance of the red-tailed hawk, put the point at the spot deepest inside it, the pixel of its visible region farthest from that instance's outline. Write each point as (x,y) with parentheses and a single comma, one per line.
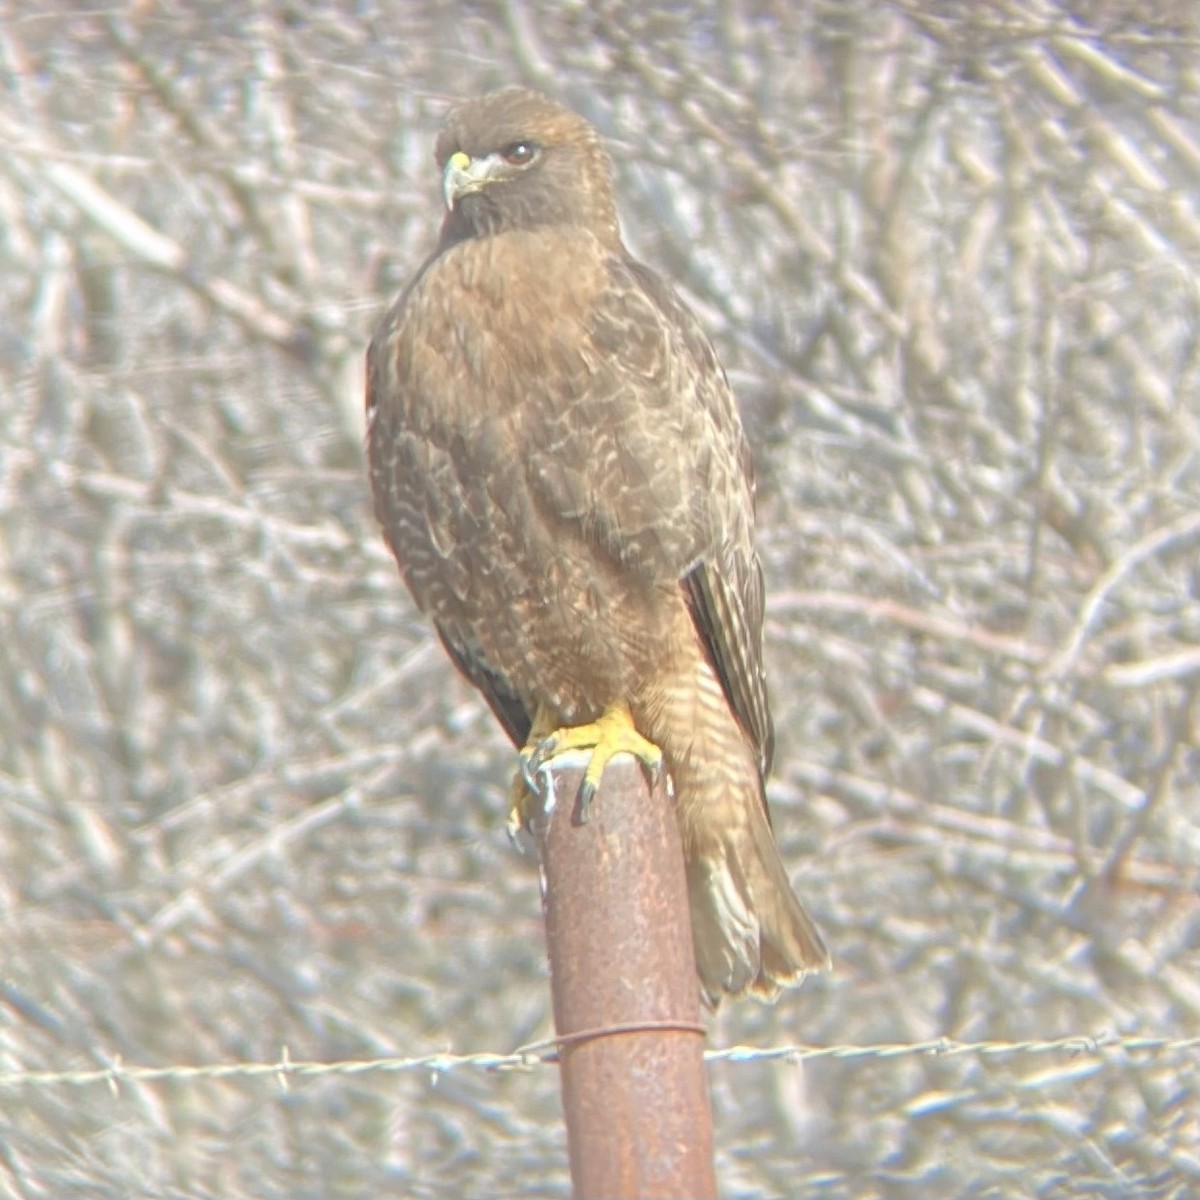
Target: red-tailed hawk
(558,466)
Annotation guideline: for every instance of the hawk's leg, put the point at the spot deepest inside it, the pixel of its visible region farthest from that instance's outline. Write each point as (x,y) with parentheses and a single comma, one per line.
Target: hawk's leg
(610,734)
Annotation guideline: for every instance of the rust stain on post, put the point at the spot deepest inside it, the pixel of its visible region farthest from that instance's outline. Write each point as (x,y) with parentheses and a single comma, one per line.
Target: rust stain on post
(618,932)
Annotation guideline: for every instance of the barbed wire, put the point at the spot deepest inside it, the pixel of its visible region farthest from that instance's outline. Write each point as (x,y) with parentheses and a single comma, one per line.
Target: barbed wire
(1100,1046)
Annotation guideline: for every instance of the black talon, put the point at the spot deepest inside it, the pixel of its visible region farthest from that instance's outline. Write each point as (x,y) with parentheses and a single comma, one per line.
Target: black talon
(547,749)
(587,793)
(529,772)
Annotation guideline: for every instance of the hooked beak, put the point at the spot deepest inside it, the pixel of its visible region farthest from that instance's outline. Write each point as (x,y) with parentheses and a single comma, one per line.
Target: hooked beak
(463,176)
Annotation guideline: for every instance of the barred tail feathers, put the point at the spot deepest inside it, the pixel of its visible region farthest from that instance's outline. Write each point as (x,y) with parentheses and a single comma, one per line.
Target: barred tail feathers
(750,931)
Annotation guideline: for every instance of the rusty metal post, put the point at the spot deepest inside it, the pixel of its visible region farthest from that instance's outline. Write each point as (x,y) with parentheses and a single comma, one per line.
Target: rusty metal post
(626,997)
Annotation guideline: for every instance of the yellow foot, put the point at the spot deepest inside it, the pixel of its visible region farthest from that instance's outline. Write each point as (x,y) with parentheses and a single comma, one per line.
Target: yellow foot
(520,816)
(611,733)
(523,789)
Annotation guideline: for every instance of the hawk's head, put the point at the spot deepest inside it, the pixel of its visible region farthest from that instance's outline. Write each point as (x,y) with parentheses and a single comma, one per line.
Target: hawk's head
(515,159)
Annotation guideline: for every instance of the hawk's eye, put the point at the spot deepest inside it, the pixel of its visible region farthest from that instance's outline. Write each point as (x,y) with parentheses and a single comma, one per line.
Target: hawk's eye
(520,154)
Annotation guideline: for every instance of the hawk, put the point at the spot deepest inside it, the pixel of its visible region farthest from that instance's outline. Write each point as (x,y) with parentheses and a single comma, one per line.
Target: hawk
(558,465)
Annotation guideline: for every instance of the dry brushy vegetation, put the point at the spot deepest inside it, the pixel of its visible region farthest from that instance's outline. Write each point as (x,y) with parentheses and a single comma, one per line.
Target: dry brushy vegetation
(951,257)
